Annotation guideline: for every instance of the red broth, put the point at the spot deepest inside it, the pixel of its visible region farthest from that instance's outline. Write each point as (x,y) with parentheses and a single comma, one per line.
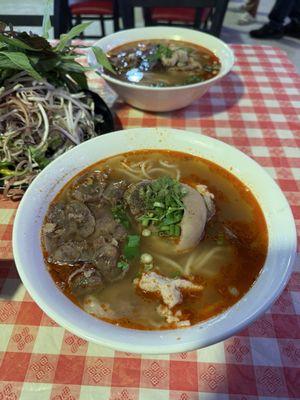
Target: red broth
(162,63)
(226,262)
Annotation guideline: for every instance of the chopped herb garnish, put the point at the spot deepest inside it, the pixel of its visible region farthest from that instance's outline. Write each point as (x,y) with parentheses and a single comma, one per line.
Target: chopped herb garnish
(161,51)
(163,205)
(123,265)
(193,79)
(121,216)
(132,246)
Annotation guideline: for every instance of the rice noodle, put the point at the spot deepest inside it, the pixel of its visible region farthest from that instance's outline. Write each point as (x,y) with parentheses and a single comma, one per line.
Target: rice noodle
(144,165)
(201,260)
(130,168)
(189,263)
(128,173)
(172,263)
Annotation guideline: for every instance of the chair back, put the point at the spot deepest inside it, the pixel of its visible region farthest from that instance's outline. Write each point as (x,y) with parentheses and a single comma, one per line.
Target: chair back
(209,15)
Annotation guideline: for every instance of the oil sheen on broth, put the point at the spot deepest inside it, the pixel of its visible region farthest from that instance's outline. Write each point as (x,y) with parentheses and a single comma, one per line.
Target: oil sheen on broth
(154,239)
(163,63)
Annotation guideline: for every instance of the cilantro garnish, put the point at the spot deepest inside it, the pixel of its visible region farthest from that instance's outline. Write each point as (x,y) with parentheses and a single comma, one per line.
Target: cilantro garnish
(132,246)
(120,215)
(122,264)
(164,206)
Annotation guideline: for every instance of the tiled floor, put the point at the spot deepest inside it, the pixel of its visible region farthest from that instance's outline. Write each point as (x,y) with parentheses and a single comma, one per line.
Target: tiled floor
(232,33)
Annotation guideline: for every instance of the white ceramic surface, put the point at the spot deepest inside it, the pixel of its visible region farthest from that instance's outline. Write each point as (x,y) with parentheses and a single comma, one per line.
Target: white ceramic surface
(170,98)
(29,259)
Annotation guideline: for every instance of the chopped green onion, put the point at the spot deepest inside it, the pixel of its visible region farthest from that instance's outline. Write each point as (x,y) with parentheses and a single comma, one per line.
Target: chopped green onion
(177,230)
(146,258)
(158,204)
(132,247)
(146,232)
(123,265)
(121,216)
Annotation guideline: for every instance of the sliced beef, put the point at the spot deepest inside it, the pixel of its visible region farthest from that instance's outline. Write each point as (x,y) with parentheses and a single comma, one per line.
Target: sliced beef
(70,222)
(114,192)
(90,187)
(71,252)
(133,197)
(106,262)
(85,279)
(107,226)
(80,219)
(56,214)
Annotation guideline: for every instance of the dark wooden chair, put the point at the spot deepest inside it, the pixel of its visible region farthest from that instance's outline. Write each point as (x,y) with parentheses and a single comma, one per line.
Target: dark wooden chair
(95,10)
(177,16)
(208,14)
(65,15)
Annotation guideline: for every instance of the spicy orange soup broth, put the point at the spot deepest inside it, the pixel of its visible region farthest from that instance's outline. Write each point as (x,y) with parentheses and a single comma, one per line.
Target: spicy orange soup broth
(237,263)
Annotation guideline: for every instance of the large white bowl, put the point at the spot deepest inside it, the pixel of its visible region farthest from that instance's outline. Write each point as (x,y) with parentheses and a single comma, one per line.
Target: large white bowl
(29,258)
(166,98)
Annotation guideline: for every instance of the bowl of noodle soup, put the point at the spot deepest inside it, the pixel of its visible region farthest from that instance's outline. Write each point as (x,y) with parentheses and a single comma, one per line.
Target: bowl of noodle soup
(212,299)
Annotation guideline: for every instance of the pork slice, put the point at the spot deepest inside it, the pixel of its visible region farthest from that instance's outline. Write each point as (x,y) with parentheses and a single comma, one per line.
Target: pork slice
(169,289)
(193,220)
(101,310)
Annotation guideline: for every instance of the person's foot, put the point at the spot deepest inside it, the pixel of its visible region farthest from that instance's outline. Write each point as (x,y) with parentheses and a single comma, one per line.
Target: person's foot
(292,29)
(246,19)
(267,32)
(239,9)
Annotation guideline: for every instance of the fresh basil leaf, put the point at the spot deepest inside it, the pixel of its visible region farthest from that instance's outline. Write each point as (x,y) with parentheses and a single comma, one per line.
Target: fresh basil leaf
(6,63)
(46,20)
(21,61)
(48,64)
(37,43)
(102,59)
(73,67)
(65,38)
(14,42)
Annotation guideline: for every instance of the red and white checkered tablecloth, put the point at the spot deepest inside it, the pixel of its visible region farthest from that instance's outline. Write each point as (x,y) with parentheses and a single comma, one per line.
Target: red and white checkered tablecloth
(255,108)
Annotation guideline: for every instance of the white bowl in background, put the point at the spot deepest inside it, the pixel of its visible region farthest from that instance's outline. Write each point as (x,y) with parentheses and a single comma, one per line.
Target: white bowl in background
(271,281)
(163,98)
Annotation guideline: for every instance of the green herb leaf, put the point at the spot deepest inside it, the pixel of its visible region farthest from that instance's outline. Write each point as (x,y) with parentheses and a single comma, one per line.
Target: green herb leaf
(5,63)
(123,265)
(163,204)
(161,51)
(46,20)
(65,38)
(73,66)
(21,61)
(121,216)
(132,247)
(14,42)
(102,59)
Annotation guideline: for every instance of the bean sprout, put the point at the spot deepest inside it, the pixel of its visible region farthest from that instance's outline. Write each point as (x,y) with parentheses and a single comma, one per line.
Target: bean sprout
(38,122)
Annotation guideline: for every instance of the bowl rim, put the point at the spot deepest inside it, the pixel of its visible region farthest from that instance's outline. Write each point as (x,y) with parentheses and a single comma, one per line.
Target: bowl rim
(124,339)
(209,81)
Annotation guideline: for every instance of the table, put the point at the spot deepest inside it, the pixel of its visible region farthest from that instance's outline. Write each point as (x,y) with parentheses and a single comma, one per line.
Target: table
(256,109)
